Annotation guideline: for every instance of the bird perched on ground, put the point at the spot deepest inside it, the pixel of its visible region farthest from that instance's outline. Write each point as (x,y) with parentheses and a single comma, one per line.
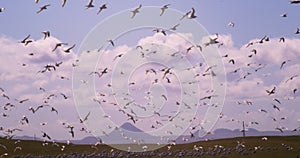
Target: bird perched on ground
(135,11)
(163,8)
(101,8)
(43,8)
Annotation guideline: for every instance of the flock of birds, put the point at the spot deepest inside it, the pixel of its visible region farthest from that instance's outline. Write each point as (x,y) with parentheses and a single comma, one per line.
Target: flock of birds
(165,75)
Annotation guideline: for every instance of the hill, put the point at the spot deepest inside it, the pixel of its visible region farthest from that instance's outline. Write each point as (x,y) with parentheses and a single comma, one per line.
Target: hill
(274,146)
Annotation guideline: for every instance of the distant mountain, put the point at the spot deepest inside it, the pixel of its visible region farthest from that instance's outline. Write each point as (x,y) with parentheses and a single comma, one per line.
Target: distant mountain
(130,127)
(120,136)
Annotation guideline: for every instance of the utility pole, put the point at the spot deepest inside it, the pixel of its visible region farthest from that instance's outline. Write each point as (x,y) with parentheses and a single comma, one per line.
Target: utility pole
(244,131)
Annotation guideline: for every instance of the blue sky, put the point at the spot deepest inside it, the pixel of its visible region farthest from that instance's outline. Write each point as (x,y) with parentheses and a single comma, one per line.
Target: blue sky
(253,19)
(71,24)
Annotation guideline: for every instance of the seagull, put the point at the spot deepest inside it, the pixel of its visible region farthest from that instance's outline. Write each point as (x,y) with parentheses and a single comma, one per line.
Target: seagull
(59,45)
(25,39)
(295,2)
(276,107)
(85,118)
(297,31)
(174,27)
(231,61)
(282,39)
(272,91)
(284,15)
(163,8)
(192,15)
(291,78)
(69,49)
(231,24)
(43,8)
(284,62)
(185,15)
(63,3)
(2,9)
(262,110)
(277,100)
(65,96)
(101,8)
(89,5)
(279,129)
(36,1)
(45,135)
(46,34)
(54,110)
(135,11)
(111,42)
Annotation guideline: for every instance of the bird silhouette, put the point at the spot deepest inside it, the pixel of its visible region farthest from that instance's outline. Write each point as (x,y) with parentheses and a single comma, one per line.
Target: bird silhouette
(43,8)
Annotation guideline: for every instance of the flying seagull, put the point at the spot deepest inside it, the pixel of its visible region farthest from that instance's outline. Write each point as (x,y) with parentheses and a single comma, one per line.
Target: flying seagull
(46,34)
(2,9)
(192,15)
(135,11)
(295,2)
(69,49)
(63,3)
(58,45)
(89,5)
(43,8)
(163,8)
(174,27)
(101,8)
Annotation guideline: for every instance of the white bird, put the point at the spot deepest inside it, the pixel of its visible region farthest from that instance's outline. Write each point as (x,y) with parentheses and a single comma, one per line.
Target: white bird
(135,11)
(231,24)
(163,8)
(63,3)
(174,27)
(192,15)
(2,9)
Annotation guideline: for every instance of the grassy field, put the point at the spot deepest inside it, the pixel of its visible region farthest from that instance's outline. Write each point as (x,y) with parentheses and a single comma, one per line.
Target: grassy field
(275,147)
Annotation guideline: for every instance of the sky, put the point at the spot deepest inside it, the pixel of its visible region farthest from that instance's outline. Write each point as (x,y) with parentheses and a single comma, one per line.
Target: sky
(246,96)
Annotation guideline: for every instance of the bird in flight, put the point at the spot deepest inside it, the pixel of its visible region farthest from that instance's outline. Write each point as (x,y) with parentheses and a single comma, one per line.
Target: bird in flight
(271,91)
(59,45)
(2,9)
(163,8)
(192,15)
(174,27)
(135,11)
(89,5)
(43,8)
(297,31)
(101,8)
(46,34)
(63,3)
(295,2)
(111,42)
(69,49)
